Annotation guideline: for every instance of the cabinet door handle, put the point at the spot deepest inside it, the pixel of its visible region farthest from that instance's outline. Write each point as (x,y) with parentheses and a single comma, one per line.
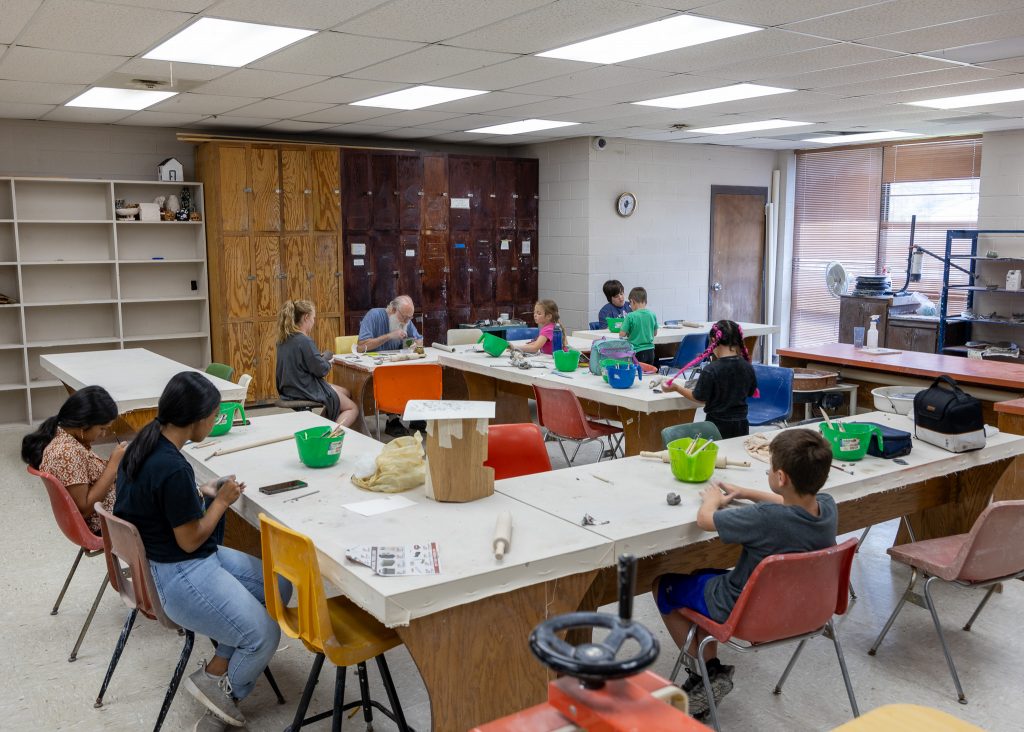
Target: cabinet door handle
(337,274)
(337,191)
(419,193)
(277,190)
(513,269)
(282,276)
(247,190)
(494,269)
(310,275)
(251,277)
(421,271)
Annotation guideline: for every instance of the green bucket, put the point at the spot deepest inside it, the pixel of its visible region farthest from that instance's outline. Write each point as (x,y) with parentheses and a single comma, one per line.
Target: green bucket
(614,324)
(493,345)
(226,418)
(566,360)
(606,362)
(853,441)
(692,468)
(316,449)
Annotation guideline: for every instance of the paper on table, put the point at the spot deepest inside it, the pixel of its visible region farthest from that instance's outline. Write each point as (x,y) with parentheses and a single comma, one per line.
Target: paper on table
(379,505)
(445,409)
(398,561)
(880,351)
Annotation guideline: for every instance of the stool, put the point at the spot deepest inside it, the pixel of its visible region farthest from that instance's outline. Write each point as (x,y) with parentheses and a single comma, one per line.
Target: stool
(297,405)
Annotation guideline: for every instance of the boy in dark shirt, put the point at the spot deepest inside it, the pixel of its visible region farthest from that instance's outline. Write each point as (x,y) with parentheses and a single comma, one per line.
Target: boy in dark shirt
(794,517)
(616,307)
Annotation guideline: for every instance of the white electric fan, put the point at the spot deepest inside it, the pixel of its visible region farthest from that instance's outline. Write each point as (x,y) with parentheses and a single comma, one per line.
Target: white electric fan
(837,279)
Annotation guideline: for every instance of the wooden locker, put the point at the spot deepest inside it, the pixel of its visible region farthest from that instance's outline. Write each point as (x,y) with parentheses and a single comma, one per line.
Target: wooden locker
(435,193)
(506,263)
(267,270)
(296,189)
(236,277)
(299,267)
(434,265)
(505,193)
(483,204)
(527,266)
(384,247)
(326,171)
(232,188)
(410,187)
(356,190)
(358,272)
(265,183)
(327,275)
(266,358)
(326,329)
(410,275)
(352,321)
(241,353)
(458,316)
(459,267)
(482,270)
(433,326)
(385,191)
(527,172)
(461,192)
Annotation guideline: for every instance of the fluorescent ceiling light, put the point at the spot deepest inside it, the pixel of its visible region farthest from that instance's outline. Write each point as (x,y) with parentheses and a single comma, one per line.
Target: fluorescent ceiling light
(679,31)
(518,128)
(714,96)
(767,124)
(863,137)
(972,100)
(225,42)
(104,97)
(417,97)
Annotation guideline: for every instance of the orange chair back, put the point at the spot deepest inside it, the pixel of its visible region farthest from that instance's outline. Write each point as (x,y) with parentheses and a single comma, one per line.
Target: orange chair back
(394,386)
(560,411)
(66,512)
(993,548)
(516,449)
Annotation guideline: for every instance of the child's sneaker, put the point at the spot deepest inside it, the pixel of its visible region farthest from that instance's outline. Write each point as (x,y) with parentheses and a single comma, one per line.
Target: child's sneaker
(694,688)
(721,684)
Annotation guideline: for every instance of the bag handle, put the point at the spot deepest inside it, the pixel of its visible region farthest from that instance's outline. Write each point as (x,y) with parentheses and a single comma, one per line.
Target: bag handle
(960,394)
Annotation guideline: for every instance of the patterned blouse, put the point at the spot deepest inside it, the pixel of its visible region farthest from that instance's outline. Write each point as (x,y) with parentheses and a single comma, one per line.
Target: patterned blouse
(72,463)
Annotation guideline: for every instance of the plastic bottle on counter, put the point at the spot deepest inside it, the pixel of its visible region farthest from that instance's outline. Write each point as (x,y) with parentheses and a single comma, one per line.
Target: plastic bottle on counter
(871,341)
(556,338)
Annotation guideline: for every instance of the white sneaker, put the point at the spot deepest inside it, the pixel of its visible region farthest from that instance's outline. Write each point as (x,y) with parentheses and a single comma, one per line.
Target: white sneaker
(210,722)
(214,692)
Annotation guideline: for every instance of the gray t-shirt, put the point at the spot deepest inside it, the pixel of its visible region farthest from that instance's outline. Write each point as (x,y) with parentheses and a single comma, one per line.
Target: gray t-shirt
(765,529)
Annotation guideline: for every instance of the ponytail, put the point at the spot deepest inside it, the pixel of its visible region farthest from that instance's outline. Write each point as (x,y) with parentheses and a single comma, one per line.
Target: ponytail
(288,318)
(723,333)
(86,408)
(189,397)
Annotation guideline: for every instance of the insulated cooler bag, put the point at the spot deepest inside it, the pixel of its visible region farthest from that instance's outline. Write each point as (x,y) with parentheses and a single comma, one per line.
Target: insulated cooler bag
(895,443)
(946,416)
(617,348)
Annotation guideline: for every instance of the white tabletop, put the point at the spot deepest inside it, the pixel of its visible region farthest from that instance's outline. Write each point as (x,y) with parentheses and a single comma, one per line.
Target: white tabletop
(367,362)
(134,377)
(584,384)
(675,333)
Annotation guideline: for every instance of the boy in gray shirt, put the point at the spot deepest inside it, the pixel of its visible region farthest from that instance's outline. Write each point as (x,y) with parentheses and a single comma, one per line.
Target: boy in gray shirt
(792,518)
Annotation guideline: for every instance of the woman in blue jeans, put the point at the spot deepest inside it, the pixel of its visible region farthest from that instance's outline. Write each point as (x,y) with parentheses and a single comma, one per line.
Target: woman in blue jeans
(206,588)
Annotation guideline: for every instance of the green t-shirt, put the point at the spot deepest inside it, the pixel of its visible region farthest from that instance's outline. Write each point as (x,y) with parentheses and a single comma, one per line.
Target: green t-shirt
(640,327)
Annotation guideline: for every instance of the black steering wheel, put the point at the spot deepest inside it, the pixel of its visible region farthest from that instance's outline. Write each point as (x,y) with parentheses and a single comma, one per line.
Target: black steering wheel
(596,662)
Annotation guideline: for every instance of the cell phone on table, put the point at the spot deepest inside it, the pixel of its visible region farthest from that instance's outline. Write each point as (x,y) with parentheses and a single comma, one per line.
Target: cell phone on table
(288,485)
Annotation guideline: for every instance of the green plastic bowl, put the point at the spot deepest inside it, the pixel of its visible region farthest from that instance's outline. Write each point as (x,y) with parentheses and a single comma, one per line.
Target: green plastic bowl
(852,443)
(566,360)
(226,417)
(493,345)
(316,450)
(692,468)
(614,324)
(606,362)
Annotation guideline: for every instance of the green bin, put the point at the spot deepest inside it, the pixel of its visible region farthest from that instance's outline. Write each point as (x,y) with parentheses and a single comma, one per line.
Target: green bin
(692,468)
(316,449)
(493,345)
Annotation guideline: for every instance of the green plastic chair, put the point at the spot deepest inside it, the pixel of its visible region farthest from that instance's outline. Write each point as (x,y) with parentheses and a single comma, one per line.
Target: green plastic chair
(221,371)
(706,430)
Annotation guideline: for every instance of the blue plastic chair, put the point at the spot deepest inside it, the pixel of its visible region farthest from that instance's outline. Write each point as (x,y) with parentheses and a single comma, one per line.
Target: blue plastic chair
(689,348)
(596,325)
(521,334)
(775,403)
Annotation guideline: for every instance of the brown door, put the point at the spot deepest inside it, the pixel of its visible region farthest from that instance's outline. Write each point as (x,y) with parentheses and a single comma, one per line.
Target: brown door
(241,353)
(299,268)
(482,204)
(506,264)
(459,270)
(409,272)
(385,267)
(296,189)
(527,194)
(327,276)
(460,189)
(434,265)
(237,277)
(266,358)
(410,187)
(234,188)
(433,326)
(526,254)
(268,273)
(505,193)
(352,321)
(482,275)
(358,272)
(356,192)
(265,182)
(435,193)
(736,284)
(385,191)
(326,170)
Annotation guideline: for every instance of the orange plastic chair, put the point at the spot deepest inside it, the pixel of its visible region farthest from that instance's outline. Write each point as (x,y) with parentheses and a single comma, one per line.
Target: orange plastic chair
(73,526)
(516,449)
(990,553)
(336,629)
(789,597)
(562,415)
(394,386)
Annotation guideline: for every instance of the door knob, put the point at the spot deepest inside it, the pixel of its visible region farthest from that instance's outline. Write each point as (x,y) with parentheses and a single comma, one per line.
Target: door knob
(716,286)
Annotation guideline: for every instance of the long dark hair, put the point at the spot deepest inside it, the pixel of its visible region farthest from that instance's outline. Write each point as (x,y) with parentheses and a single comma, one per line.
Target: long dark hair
(188,398)
(85,408)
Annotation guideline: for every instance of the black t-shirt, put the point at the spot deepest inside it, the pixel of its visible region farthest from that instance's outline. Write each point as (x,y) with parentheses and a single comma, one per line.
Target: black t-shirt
(724,386)
(162,496)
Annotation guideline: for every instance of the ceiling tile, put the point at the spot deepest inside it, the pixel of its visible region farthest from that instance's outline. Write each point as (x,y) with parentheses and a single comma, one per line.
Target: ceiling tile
(160,119)
(488,102)
(559,24)
(55,67)
(519,71)
(182,6)
(413,117)
(315,14)
(653,88)
(357,129)
(456,137)
(86,114)
(759,12)
(1000,83)
(258,83)
(469,122)
(91,27)
(280,109)
(16,110)
(828,57)
(409,133)
(948,35)
(588,80)
(343,114)
(27,92)
(748,47)
(16,15)
(1013,65)
(601,114)
(202,104)
(415,20)
(431,63)
(333,54)
(860,72)
(150,68)
(296,126)
(555,106)
(341,90)
(230,122)
(910,82)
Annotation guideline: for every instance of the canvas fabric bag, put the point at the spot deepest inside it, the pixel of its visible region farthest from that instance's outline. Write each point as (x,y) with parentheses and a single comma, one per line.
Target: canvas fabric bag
(948,417)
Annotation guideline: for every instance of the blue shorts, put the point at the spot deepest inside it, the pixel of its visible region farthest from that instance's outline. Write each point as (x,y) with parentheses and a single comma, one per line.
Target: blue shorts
(684,590)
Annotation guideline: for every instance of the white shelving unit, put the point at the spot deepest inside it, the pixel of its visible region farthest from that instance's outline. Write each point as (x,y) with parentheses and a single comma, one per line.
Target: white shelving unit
(84,281)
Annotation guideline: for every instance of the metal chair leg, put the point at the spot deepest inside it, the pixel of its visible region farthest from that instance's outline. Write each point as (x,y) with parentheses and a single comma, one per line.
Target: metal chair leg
(376,413)
(307,694)
(88,620)
(981,605)
(830,631)
(942,639)
(364,694)
(863,536)
(389,688)
(895,612)
(789,666)
(676,667)
(706,678)
(339,698)
(125,632)
(575,453)
(67,581)
(561,446)
(179,671)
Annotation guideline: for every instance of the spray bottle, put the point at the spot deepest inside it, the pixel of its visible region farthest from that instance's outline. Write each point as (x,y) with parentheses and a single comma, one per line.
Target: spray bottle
(872,335)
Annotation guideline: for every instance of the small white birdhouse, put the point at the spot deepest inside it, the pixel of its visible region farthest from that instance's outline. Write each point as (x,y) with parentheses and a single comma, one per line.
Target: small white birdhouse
(170,169)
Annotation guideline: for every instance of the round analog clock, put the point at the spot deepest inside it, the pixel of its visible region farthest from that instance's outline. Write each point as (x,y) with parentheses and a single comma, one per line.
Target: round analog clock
(625,204)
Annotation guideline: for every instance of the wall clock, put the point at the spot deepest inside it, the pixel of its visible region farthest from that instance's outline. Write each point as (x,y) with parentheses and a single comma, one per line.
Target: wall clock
(625,204)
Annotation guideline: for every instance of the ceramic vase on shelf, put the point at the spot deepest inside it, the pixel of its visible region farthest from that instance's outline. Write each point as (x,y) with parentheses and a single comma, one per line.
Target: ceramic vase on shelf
(172,203)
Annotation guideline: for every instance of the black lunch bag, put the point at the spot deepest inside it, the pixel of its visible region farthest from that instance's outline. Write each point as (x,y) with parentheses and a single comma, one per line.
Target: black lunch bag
(948,417)
(896,443)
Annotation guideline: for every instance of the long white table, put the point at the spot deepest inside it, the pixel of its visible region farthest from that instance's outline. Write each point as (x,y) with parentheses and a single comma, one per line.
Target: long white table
(676,333)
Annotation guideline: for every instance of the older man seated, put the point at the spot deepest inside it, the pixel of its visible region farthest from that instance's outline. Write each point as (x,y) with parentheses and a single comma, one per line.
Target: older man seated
(387,329)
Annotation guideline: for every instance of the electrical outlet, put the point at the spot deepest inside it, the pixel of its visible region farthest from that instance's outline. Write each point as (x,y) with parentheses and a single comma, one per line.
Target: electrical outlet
(195,285)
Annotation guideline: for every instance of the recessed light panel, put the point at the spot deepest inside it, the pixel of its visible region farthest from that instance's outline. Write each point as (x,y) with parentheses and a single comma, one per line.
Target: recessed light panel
(679,31)
(863,137)
(972,100)
(518,128)
(104,97)
(714,96)
(226,42)
(766,124)
(418,97)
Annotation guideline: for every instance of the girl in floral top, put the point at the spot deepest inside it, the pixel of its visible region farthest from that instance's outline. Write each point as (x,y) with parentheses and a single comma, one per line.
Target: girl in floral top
(62,446)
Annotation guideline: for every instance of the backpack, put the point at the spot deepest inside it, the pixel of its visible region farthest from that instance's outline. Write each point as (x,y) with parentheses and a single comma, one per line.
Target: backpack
(610,348)
(948,417)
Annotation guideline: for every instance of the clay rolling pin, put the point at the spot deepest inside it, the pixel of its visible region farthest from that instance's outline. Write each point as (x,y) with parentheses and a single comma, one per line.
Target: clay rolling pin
(720,462)
(502,535)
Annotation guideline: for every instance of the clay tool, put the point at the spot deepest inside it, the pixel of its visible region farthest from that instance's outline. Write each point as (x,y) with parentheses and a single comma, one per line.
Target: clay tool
(699,449)
(837,467)
(299,498)
(502,541)
(603,480)
(248,446)
(336,432)
(829,422)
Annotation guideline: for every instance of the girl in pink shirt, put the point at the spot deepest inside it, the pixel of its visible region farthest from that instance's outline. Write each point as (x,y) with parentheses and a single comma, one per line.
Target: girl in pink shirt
(545,313)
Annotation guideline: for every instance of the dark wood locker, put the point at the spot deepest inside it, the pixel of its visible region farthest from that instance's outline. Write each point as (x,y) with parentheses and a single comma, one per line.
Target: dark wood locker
(265,187)
(326,170)
(461,192)
(384,174)
(384,247)
(506,263)
(527,171)
(504,193)
(434,265)
(352,321)
(410,187)
(410,280)
(482,269)
(527,255)
(435,193)
(459,274)
(433,326)
(356,190)
(484,197)
(358,267)
(457,316)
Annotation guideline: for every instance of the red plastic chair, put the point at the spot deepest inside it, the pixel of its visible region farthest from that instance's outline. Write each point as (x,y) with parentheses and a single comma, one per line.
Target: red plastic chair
(789,597)
(394,386)
(516,449)
(562,415)
(990,553)
(73,525)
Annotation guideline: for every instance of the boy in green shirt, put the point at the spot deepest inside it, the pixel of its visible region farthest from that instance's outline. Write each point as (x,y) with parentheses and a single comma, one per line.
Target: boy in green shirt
(640,326)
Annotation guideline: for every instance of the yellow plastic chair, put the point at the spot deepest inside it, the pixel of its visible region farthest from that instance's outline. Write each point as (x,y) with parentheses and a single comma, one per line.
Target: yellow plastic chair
(336,628)
(343,344)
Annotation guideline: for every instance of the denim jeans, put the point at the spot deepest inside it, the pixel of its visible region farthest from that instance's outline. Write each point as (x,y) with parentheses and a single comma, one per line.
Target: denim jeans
(221,597)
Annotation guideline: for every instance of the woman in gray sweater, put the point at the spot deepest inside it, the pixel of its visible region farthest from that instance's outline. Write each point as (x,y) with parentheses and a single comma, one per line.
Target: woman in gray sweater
(301,368)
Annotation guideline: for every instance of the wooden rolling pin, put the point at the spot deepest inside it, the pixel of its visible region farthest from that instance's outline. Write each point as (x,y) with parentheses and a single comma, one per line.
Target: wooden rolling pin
(720,462)
(247,446)
(502,535)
